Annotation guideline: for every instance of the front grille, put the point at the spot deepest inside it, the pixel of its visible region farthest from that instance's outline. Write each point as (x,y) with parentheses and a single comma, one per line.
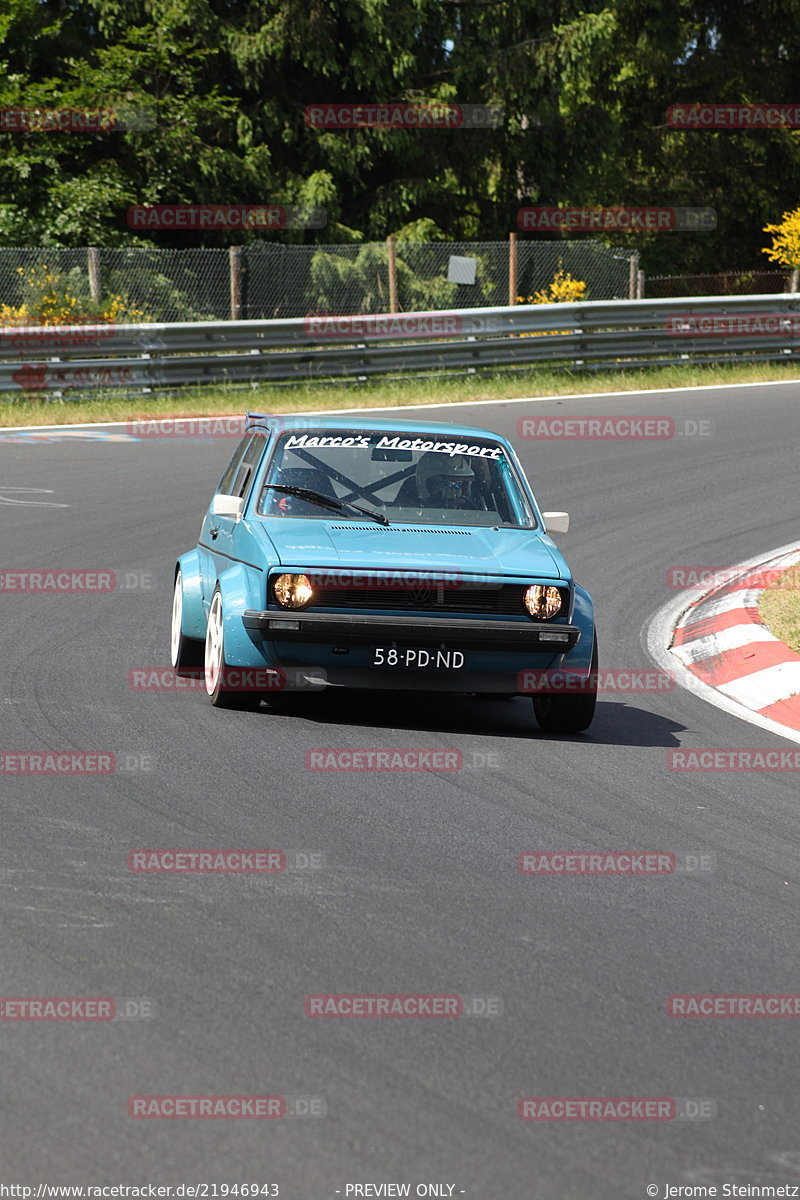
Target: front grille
(500,600)
(492,599)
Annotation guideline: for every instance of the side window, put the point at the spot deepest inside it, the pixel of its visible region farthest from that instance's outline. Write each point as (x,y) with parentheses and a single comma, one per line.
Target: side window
(224,488)
(248,464)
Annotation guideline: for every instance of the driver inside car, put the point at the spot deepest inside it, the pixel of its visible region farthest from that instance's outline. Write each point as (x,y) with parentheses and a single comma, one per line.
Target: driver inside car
(446,482)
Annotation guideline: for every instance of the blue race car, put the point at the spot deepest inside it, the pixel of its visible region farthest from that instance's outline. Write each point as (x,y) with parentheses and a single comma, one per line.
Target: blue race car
(384,555)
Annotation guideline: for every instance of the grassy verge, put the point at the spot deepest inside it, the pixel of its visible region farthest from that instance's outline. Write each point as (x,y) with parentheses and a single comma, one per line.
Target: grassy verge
(779,608)
(394,392)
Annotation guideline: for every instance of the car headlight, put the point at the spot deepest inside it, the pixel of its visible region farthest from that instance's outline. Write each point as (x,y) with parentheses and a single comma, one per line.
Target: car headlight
(292,591)
(543,601)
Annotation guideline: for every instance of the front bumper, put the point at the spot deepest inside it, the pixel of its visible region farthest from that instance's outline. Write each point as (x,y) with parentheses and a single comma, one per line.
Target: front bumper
(360,629)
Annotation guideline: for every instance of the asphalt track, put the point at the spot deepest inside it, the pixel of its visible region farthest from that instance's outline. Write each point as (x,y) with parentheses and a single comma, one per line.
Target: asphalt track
(420,892)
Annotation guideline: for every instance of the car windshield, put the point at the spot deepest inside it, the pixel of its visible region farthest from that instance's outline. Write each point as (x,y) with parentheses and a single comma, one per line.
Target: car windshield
(404,477)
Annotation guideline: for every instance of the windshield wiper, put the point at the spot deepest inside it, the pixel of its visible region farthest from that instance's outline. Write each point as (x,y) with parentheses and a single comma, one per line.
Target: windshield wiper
(326,501)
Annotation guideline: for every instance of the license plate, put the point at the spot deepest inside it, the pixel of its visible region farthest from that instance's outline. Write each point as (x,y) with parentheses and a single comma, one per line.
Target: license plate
(438,660)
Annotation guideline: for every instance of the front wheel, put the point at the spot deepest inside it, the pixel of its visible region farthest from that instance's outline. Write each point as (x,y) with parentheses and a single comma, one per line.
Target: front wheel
(218,676)
(186,654)
(569,713)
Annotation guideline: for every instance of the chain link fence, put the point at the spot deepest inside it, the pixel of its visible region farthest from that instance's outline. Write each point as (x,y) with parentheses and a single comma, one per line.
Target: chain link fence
(354,279)
(164,285)
(725,283)
(269,280)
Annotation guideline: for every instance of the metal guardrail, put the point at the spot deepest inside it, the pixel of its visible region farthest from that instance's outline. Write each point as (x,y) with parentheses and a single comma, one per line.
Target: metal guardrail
(592,334)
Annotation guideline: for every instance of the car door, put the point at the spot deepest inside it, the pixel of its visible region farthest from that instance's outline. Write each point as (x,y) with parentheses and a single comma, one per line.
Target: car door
(228,536)
(215,535)
(240,544)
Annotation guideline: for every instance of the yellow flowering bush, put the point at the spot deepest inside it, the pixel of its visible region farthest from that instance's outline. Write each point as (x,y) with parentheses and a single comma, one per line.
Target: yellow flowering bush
(563,288)
(785,248)
(49,299)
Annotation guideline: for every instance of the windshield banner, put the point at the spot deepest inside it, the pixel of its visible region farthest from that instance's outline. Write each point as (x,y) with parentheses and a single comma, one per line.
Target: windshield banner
(304,441)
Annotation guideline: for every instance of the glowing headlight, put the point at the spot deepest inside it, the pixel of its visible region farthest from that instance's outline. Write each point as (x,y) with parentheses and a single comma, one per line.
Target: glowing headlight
(293,591)
(542,601)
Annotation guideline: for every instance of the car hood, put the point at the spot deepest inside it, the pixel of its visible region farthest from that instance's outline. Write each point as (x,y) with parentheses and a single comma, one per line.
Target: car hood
(307,543)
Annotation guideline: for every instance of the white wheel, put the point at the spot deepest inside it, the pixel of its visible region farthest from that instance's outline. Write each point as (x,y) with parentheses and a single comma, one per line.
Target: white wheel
(213,655)
(177,617)
(217,675)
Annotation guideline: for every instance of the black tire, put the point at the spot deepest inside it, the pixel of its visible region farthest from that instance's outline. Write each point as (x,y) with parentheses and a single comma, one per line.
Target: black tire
(568,713)
(186,654)
(219,692)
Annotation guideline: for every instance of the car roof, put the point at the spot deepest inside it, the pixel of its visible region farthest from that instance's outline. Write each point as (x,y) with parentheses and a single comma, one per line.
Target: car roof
(357,421)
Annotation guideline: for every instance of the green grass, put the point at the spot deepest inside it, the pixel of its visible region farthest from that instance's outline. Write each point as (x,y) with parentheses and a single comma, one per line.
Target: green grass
(779,608)
(395,392)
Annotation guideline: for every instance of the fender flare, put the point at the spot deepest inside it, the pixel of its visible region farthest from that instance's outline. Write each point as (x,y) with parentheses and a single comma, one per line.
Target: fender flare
(242,587)
(580,656)
(193,620)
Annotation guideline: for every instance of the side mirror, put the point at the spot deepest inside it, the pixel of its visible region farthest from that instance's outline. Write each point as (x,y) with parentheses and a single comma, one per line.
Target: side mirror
(556,522)
(228,506)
